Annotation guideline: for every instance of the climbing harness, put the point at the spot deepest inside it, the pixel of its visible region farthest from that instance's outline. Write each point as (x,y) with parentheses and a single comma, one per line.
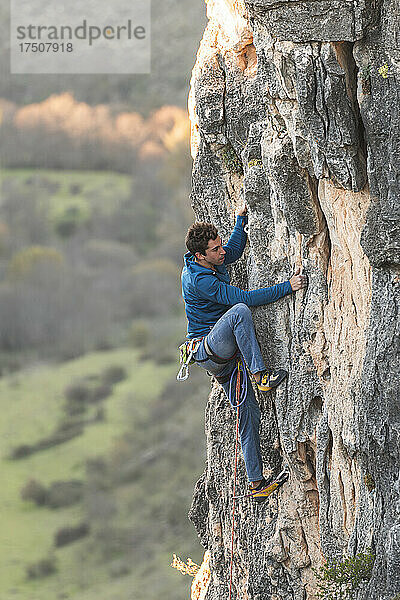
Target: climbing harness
(214,357)
(186,352)
(189,348)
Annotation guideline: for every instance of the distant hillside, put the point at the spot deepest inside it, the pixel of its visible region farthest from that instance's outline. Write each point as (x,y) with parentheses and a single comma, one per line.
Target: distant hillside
(177,28)
(86,255)
(100,479)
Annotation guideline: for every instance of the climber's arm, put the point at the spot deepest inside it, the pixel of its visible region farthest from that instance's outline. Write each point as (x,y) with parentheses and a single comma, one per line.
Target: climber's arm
(237,242)
(211,288)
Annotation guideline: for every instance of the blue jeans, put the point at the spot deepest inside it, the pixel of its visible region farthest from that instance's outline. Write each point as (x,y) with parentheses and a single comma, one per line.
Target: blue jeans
(235,331)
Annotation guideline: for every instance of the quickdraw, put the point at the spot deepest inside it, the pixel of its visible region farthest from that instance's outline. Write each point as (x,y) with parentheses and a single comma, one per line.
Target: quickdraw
(186,352)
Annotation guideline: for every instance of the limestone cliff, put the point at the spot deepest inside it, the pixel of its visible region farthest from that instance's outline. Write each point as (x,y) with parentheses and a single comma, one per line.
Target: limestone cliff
(295,105)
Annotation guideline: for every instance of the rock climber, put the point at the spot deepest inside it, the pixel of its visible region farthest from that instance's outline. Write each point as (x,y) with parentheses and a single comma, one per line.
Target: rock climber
(220,320)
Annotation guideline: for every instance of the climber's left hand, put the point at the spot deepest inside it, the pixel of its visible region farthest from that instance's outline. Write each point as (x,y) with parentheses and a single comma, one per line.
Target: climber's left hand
(241,210)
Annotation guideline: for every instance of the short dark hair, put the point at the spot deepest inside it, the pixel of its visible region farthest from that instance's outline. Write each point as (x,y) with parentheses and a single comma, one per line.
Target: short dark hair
(198,236)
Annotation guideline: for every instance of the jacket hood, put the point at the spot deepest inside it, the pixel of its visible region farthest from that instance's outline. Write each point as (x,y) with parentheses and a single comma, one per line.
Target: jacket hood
(194,267)
(190,262)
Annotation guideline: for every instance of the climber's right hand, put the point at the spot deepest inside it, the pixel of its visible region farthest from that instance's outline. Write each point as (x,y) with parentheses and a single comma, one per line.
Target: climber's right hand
(298,281)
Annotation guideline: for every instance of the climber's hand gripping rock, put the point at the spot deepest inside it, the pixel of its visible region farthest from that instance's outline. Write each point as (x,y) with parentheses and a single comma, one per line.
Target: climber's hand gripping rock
(298,281)
(241,210)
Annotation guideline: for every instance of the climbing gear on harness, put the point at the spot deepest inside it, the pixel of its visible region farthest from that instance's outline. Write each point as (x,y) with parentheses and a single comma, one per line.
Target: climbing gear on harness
(241,381)
(269,381)
(266,488)
(189,348)
(186,352)
(214,357)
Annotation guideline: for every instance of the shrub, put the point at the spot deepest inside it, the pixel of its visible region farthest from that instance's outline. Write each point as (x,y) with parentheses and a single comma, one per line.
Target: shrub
(75,189)
(100,415)
(166,356)
(96,469)
(42,568)
(74,408)
(27,260)
(64,434)
(115,541)
(103,345)
(64,493)
(77,392)
(231,160)
(81,393)
(21,451)
(71,217)
(340,580)
(100,392)
(67,535)
(114,374)
(35,491)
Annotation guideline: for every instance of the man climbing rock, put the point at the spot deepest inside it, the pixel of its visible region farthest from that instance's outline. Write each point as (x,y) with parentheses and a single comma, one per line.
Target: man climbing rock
(219,318)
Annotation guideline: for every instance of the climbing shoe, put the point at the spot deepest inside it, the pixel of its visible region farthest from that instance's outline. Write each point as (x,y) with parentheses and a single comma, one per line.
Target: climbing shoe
(270,381)
(266,487)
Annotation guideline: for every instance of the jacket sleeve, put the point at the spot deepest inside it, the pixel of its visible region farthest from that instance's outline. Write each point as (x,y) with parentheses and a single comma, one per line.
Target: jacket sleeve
(211,288)
(237,242)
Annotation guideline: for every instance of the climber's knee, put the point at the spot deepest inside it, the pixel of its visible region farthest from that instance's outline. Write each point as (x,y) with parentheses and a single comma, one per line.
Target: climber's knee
(242,310)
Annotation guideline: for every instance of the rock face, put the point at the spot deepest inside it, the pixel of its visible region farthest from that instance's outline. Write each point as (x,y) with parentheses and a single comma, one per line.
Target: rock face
(290,111)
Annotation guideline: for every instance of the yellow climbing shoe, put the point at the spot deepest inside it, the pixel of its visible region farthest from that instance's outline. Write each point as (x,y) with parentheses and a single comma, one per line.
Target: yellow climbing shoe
(266,488)
(270,381)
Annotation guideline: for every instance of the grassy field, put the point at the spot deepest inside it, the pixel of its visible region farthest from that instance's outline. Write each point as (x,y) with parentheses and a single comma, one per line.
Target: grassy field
(60,193)
(99,189)
(32,405)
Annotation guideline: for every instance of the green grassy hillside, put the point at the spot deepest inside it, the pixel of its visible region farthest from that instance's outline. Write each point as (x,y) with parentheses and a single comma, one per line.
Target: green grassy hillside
(97,190)
(138,461)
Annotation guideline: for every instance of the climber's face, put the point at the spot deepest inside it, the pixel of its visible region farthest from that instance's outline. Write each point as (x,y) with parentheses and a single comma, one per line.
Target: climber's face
(215,254)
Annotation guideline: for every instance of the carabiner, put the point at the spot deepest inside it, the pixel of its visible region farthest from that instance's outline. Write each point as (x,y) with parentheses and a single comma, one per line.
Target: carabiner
(192,348)
(181,376)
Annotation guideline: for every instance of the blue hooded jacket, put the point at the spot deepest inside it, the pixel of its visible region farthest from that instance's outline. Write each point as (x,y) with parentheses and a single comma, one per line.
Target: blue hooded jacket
(208,293)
